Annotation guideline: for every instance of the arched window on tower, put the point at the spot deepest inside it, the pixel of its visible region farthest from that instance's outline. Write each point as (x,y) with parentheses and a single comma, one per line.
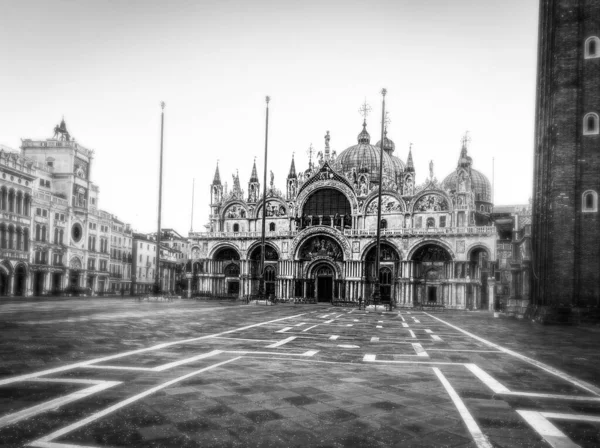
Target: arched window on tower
(592,48)
(272,227)
(591,124)
(589,201)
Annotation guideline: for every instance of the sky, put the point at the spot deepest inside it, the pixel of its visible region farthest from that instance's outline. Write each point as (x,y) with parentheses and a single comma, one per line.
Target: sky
(448,67)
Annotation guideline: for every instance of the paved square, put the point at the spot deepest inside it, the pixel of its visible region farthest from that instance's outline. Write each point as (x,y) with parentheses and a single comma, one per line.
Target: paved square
(81,373)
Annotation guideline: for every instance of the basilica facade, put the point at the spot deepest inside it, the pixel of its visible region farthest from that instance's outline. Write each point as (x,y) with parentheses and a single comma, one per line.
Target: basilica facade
(437,237)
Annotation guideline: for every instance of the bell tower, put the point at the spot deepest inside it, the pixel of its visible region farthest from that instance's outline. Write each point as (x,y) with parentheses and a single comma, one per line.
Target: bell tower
(566,226)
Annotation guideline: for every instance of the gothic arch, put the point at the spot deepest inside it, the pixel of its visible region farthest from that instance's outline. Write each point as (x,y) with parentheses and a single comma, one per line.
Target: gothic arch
(230,204)
(25,267)
(305,234)
(368,247)
(416,246)
(220,246)
(423,193)
(259,205)
(6,267)
(319,184)
(309,268)
(257,245)
(75,263)
(373,197)
(473,247)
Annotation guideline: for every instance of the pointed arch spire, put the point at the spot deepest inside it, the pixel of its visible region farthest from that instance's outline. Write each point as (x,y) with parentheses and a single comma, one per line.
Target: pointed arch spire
(217,178)
(254,175)
(410,166)
(292,174)
(464,160)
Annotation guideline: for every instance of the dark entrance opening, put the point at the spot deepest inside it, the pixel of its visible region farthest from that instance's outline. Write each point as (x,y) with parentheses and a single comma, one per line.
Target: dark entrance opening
(233,287)
(38,283)
(3,284)
(432,294)
(73,278)
(56,282)
(20,279)
(324,289)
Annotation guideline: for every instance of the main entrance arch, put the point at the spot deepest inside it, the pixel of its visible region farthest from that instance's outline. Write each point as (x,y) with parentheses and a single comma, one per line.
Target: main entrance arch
(433,266)
(388,265)
(270,268)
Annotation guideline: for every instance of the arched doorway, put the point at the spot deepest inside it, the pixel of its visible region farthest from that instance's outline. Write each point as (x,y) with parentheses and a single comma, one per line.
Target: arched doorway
(4,278)
(480,270)
(324,281)
(432,271)
(270,270)
(20,280)
(388,265)
(38,283)
(232,278)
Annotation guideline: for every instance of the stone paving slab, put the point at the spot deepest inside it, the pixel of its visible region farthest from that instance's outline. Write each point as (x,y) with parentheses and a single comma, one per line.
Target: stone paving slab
(281,378)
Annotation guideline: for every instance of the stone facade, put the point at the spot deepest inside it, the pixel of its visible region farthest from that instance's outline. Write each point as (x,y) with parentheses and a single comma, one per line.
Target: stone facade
(566,226)
(437,238)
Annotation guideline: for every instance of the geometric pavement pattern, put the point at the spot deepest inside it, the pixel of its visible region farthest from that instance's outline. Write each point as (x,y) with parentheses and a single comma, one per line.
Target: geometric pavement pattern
(322,376)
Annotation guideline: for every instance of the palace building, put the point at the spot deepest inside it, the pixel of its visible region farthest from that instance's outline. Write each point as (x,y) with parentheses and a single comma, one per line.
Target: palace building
(438,240)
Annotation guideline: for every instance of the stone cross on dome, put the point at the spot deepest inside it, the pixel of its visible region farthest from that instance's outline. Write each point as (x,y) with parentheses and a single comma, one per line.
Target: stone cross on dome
(364,110)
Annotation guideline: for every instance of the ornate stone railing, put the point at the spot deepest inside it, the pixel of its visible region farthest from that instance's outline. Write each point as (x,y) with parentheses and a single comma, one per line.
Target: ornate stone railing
(473,230)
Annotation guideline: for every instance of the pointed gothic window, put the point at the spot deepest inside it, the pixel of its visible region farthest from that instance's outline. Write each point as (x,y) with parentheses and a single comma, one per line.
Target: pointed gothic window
(592,48)
(589,202)
(591,124)
(272,227)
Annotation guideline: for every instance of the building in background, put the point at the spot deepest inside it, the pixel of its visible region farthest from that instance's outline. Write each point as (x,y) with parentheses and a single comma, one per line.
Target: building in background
(145,265)
(513,249)
(54,238)
(17,178)
(438,240)
(566,225)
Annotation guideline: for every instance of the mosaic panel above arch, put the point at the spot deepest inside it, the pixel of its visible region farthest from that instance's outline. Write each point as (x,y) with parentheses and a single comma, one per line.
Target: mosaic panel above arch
(431,202)
(389,204)
(235,211)
(276,208)
(319,231)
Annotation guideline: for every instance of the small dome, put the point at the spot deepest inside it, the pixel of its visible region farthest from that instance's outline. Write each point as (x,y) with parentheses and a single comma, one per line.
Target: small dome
(388,146)
(479,184)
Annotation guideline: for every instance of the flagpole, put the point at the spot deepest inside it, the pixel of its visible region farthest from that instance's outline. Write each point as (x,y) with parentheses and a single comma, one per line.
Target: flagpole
(192,218)
(261,280)
(377,289)
(162,126)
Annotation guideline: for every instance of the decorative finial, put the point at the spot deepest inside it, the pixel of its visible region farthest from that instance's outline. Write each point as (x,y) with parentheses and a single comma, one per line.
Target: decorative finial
(327,138)
(267,99)
(364,109)
(387,120)
(410,147)
(162,105)
(383,92)
(465,140)
(310,151)
(431,169)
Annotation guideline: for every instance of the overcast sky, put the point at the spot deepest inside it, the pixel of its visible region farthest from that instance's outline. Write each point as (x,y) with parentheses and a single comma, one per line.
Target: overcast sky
(448,66)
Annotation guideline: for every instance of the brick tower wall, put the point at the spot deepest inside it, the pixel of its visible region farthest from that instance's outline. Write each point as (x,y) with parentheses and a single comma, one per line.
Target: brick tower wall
(566,241)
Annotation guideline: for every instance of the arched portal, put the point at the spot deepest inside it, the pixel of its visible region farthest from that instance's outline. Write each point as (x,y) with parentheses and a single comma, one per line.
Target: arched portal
(20,281)
(3,282)
(270,270)
(388,265)
(324,281)
(479,268)
(325,205)
(433,265)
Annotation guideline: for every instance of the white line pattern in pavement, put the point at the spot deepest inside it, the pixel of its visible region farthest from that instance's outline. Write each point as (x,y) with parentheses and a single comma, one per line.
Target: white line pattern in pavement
(56,403)
(551,434)
(577,382)
(282,342)
(28,376)
(479,437)
(46,441)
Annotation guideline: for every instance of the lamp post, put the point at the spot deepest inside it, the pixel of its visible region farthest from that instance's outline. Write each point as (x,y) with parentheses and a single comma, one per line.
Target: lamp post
(162,126)
(377,288)
(261,279)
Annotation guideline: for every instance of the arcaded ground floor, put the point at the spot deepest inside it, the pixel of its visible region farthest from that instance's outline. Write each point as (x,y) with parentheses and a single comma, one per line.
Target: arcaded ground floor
(118,372)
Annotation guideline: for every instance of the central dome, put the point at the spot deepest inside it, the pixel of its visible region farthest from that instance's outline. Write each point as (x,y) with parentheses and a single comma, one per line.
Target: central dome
(364,157)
